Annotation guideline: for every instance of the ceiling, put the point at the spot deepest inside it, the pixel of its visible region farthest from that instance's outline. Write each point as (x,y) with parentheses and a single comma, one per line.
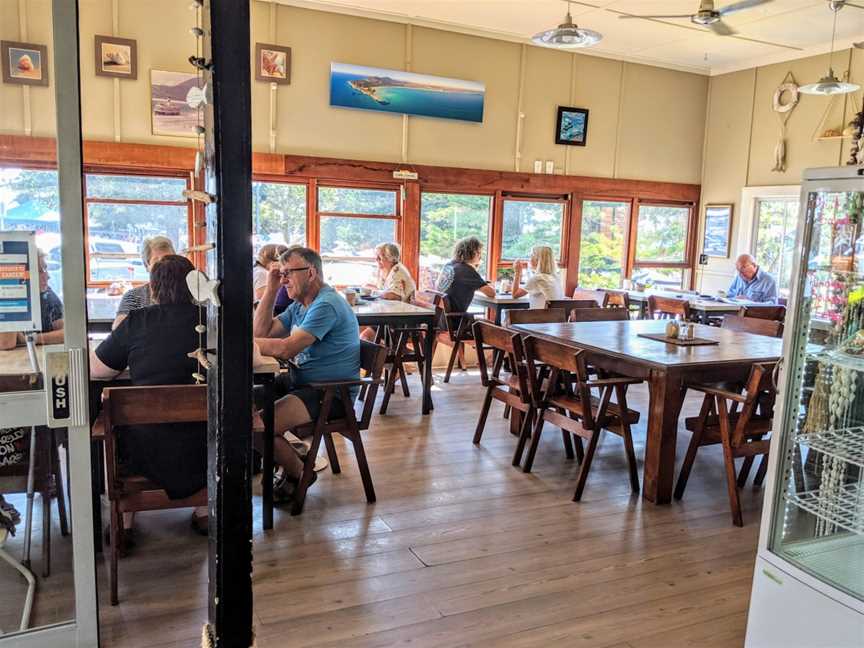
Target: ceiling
(778,31)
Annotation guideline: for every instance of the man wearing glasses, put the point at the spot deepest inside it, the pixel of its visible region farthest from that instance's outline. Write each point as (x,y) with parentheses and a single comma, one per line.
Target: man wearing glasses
(318,332)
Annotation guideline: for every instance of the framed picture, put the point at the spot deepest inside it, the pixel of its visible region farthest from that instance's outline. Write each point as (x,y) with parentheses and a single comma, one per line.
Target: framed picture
(718,228)
(169,112)
(24,63)
(571,128)
(116,57)
(272,63)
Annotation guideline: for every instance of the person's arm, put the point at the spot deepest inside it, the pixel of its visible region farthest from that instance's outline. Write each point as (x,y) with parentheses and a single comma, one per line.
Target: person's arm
(287,347)
(264,325)
(118,320)
(8,341)
(52,337)
(99,370)
(111,357)
(516,290)
(318,321)
(390,295)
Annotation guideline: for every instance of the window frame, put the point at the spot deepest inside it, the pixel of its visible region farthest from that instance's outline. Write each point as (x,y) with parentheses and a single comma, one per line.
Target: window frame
(281,179)
(577,232)
(756,201)
(564,200)
(689,242)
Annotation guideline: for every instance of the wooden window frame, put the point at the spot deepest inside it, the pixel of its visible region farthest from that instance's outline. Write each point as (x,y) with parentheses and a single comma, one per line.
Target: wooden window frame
(268,178)
(564,200)
(577,232)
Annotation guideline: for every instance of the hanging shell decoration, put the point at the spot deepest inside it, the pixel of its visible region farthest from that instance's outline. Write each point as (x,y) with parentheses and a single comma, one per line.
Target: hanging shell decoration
(787,89)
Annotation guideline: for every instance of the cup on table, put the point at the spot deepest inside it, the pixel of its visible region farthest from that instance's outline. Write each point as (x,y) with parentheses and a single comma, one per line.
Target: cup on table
(721,294)
(627,284)
(365,292)
(350,297)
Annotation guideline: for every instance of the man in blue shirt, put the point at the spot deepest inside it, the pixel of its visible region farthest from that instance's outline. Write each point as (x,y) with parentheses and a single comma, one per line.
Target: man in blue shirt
(319,333)
(752,283)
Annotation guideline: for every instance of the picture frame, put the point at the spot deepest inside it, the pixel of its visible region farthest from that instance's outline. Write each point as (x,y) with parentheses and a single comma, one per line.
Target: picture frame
(24,63)
(273,63)
(170,114)
(116,57)
(718,230)
(571,126)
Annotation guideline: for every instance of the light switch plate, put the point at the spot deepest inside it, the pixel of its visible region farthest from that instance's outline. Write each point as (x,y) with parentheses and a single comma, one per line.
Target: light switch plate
(550,167)
(538,166)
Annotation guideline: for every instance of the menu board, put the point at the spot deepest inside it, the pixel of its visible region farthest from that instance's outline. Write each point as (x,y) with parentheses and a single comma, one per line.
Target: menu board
(19,283)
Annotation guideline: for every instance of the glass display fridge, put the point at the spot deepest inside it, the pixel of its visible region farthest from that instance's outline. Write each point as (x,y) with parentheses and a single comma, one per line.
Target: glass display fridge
(808,583)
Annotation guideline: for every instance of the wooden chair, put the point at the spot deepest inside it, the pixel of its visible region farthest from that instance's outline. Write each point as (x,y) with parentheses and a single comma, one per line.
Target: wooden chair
(403,345)
(576,410)
(667,308)
(599,296)
(372,358)
(511,388)
(771,328)
(457,331)
(534,316)
(599,315)
(125,406)
(767,312)
(738,421)
(569,304)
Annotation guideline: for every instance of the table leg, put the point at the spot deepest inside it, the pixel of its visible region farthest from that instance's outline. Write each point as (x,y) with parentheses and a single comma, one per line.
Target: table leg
(267,458)
(427,365)
(666,397)
(497,310)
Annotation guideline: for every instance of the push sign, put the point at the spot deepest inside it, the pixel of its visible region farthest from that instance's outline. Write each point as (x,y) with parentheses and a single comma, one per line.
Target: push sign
(57,384)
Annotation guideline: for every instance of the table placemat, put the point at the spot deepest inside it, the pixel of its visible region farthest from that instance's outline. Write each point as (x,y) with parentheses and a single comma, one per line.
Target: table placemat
(661,337)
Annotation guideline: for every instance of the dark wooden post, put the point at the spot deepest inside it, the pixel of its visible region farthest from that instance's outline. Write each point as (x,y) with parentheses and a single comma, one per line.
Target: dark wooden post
(228,176)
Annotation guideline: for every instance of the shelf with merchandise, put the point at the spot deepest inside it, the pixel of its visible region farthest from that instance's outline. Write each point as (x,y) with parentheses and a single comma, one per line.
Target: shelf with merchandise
(842,507)
(846,444)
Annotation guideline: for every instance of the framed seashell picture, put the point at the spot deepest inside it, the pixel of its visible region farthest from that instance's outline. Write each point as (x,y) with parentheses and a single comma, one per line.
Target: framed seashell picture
(24,63)
(116,57)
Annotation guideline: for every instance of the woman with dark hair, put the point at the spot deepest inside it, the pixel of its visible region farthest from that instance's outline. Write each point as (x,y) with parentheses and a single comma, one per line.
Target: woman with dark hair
(459,278)
(153,342)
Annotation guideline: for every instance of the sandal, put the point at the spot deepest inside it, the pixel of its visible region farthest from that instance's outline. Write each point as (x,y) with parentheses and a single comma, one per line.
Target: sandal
(284,487)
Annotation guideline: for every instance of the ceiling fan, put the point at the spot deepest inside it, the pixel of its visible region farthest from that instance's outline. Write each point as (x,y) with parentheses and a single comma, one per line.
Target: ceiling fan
(709,17)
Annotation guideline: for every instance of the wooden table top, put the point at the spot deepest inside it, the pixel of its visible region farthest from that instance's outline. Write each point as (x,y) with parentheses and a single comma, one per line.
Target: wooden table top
(498,299)
(697,302)
(621,339)
(389,307)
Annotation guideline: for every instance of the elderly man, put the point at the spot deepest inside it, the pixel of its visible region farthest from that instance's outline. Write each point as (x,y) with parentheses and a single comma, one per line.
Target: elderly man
(752,283)
(152,250)
(319,333)
(52,314)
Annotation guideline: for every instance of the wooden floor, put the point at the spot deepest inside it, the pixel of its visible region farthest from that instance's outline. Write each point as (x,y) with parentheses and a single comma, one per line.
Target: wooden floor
(463,549)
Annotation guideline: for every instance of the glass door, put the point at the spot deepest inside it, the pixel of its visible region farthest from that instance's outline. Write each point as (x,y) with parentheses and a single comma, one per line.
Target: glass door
(47,571)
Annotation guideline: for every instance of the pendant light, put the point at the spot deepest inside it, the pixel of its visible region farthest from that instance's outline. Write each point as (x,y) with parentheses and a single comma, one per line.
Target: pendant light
(830,84)
(567,35)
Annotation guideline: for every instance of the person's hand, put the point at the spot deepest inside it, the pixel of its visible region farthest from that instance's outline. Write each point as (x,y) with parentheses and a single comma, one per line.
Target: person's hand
(257,357)
(519,264)
(274,277)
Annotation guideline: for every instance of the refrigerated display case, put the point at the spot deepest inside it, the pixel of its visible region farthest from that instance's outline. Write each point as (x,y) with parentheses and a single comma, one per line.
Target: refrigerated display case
(808,583)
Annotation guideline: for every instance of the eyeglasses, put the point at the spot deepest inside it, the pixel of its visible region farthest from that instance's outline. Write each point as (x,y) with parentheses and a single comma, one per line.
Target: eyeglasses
(287,271)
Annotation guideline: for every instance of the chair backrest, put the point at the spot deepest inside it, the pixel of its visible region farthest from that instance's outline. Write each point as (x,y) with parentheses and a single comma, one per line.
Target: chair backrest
(536,316)
(598,296)
(559,358)
(767,312)
(759,391)
(372,358)
(615,299)
(568,305)
(599,315)
(503,343)
(770,328)
(667,307)
(155,404)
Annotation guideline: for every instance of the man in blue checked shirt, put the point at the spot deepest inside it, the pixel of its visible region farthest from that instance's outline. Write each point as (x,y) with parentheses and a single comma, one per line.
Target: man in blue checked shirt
(752,283)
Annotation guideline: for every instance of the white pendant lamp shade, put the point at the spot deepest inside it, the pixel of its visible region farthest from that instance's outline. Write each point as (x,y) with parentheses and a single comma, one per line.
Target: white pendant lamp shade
(829,85)
(567,36)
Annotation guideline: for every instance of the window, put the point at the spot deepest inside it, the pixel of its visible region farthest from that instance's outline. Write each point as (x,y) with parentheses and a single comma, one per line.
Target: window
(776,223)
(353,222)
(278,213)
(661,245)
(444,219)
(122,211)
(602,248)
(527,223)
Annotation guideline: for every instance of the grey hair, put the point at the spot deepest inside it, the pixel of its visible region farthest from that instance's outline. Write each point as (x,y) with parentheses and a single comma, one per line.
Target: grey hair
(150,245)
(390,251)
(309,255)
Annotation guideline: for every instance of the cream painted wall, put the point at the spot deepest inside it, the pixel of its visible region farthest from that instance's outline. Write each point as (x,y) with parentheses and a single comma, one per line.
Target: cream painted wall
(742,130)
(645,123)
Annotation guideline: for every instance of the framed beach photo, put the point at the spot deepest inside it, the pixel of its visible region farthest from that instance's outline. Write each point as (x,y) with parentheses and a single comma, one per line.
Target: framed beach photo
(272,63)
(24,63)
(116,57)
(170,114)
(718,228)
(571,127)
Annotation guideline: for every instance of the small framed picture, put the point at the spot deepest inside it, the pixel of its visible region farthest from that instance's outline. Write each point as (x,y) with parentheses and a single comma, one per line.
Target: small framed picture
(116,57)
(718,228)
(272,63)
(24,63)
(571,128)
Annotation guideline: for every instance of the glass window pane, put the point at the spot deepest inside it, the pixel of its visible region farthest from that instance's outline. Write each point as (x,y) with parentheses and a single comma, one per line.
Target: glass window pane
(279,213)
(357,201)
(444,219)
(135,187)
(348,247)
(116,232)
(776,226)
(529,223)
(662,233)
(601,248)
(670,278)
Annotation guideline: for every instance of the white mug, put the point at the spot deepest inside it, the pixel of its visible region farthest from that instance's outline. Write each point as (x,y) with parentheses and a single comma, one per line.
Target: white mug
(627,284)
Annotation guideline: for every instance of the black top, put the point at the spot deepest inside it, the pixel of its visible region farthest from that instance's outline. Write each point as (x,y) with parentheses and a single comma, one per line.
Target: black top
(153,343)
(52,309)
(458,281)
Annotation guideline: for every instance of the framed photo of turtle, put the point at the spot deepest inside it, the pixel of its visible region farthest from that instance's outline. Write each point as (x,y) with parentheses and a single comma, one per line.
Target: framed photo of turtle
(116,57)
(272,63)
(571,127)
(24,63)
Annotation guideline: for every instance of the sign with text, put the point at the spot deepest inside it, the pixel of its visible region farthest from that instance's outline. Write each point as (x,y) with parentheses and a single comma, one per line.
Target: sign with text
(20,306)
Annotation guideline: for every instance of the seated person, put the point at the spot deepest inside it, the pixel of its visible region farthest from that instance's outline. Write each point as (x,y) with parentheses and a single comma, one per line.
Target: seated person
(319,333)
(394,281)
(459,278)
(52,314)
(543,284)
(752,283)
(152,250)
(153,342)
(268,256)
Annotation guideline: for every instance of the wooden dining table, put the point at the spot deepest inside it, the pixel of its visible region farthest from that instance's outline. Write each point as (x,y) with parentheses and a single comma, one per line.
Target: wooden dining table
(668,369)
